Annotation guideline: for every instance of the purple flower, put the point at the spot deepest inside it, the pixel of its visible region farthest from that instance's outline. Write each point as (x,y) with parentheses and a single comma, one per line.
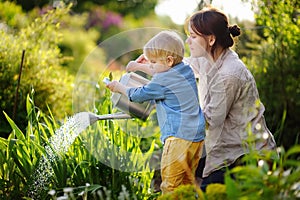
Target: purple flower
(104,19)
(111,19)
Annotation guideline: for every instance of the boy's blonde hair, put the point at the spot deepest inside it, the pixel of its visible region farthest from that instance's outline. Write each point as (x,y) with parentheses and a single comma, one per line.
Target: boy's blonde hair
(164,44)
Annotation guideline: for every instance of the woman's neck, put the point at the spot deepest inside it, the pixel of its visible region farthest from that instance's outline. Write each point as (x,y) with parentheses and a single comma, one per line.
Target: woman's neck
(217,53)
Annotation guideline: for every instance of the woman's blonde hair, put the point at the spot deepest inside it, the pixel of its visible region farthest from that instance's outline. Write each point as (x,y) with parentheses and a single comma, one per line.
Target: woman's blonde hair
(164,44)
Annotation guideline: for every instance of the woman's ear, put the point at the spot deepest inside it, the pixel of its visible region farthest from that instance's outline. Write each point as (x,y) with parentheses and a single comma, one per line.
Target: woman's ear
(170,61)
(211,40)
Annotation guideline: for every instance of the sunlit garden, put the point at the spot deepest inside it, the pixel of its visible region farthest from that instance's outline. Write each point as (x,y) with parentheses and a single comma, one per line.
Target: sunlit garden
(53,59)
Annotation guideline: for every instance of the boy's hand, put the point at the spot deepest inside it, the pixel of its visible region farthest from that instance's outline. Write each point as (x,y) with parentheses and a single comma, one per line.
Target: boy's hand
(137,65)
(116,86)
(140,64)
(133,66)
(113,86)
(142,59)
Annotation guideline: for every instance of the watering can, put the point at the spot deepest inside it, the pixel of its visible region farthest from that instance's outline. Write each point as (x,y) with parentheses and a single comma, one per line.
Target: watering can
(121,102)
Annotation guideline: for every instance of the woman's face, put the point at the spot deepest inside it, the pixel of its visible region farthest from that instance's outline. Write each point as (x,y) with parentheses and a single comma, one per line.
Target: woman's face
(197,43)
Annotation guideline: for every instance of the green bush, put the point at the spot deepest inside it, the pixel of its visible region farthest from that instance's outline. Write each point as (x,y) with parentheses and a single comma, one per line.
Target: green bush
(216,192)
(78,43)
(188,192)
(276,67)
(266,177)
(41,68)
(52,58)
(12,15)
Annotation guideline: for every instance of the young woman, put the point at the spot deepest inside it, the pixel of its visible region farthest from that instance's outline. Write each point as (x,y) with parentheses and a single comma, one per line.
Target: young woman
(228,95)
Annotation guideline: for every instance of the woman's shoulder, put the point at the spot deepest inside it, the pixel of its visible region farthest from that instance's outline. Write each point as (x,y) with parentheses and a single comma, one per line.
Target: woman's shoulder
(233,58)
(234,67)
(232,63)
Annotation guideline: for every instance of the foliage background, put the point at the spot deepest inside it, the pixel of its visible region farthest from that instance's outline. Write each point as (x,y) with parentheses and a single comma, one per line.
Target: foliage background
(57,41)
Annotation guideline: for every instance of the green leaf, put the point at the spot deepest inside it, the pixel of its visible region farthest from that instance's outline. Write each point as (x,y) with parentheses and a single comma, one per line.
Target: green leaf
(293,150)
(3,143)
(231,189)
(110,76)
(29,104)
(21,161)
(15,128)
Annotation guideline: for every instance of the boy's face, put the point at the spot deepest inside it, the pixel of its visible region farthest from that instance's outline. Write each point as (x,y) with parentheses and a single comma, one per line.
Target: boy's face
(159,65)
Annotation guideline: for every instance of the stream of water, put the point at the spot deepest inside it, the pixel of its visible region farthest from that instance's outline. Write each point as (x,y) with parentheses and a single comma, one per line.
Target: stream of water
(58,145)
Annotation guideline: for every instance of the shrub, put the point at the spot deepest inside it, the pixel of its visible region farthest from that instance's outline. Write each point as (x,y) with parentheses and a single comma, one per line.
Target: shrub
(12,15)
(216,192)
(41,70)
(184,192)
(268,177)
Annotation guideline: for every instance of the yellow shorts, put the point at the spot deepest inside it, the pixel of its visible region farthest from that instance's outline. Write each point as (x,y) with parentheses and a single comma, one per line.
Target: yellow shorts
(179,162)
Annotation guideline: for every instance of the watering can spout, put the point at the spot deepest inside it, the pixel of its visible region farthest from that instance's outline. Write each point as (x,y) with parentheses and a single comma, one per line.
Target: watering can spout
(94,117)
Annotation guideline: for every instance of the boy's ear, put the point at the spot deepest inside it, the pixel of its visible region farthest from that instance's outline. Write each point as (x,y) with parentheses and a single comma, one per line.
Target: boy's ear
(170,61)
